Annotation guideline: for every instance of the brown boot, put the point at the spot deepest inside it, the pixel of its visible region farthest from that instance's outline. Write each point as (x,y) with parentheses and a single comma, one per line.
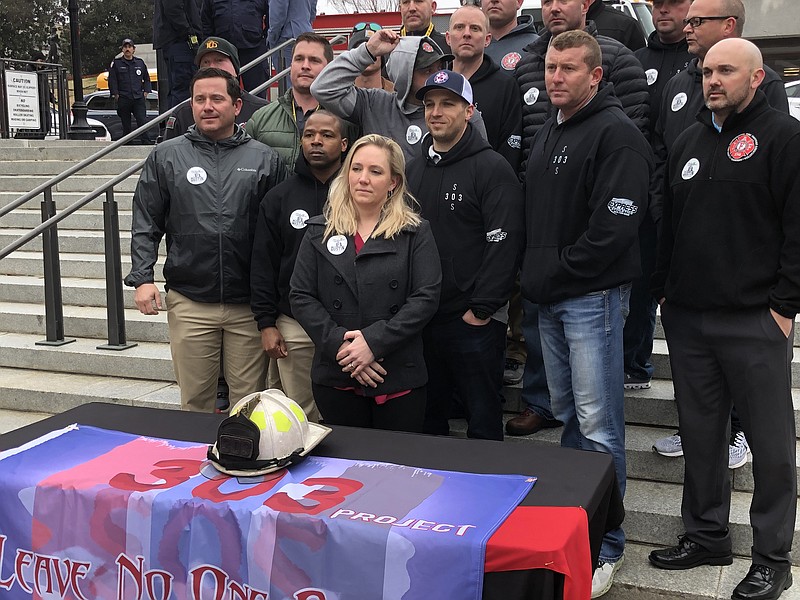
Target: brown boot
(529,422)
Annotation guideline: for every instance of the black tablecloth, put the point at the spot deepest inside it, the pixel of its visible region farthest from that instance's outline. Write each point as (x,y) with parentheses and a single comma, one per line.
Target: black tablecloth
(565,477)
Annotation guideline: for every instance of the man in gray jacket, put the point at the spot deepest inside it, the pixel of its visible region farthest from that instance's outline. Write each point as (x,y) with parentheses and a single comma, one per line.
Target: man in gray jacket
(399,114)
(203,191)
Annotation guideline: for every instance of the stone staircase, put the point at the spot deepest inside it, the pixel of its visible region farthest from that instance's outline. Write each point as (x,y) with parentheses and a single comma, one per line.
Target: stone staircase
(42,379)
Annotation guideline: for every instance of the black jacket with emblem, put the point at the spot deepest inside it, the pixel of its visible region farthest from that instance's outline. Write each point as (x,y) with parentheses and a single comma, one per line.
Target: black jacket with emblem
(507,51)
(280,228)
(174,21)
(680,103)
(731,229)
(129,78)
(496,95)
(389,290)
(474,203)
(583,212)
(661,62)
(620,67)
(204,195)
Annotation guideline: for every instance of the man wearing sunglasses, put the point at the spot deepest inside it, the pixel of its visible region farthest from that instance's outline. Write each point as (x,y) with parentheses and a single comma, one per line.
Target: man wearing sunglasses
(707,22)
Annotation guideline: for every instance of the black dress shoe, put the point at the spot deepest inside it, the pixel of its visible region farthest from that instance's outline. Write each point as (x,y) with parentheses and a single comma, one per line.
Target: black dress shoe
(762,583)
(687,555)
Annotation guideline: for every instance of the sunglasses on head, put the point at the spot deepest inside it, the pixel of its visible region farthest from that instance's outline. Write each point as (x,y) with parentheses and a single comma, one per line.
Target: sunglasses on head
(370,26)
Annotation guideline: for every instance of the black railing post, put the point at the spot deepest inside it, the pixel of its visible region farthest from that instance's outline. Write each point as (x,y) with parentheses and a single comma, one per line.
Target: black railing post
(53,305)
(115,303)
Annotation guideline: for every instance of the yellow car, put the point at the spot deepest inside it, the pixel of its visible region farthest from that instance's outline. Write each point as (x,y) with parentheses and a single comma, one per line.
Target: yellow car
(102,79)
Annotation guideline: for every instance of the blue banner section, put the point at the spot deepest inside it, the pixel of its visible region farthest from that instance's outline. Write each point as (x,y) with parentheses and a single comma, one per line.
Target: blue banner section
(87,513)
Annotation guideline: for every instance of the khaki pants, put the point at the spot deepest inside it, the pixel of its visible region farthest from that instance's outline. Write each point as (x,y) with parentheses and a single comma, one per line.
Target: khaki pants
(197,332)
(295,369)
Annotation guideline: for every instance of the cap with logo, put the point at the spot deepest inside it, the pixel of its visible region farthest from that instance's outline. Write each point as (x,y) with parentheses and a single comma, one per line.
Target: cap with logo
(447,80)
(223,46)
(429,52)
(361,33)
(265,432)
(127,42)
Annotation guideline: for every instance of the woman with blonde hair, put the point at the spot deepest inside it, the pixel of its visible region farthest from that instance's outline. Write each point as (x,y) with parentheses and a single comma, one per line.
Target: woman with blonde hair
(365,283)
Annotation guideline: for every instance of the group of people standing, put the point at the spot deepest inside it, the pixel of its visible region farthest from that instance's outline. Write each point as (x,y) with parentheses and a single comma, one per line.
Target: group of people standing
(369,240)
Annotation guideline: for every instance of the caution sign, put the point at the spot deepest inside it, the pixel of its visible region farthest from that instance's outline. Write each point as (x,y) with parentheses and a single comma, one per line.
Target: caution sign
(22,93)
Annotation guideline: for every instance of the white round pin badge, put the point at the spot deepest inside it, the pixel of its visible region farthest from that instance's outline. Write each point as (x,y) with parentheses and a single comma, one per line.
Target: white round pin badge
(337,245)
(691,168)
(413,134)
(196,175)
(679,101)
(652,76)
(298,219)
(531,96)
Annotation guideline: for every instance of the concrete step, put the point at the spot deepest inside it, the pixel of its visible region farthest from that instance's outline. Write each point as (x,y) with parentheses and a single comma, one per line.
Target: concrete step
(79,241)
(636,579)
(75,291)
(76,183)
(30,263)
(64,199)
(148,360)
(653,509)
(84,219)
(50,168)
(84,322)
(57,392)
(69,151)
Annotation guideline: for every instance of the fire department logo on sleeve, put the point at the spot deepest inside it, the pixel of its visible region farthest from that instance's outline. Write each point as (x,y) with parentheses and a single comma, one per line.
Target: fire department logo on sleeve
(622,207)
(441,77)
(426,47)
(742,147)
(510,60)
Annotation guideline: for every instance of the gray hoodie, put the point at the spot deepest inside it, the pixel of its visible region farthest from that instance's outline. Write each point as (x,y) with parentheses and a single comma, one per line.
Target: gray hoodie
(378,111)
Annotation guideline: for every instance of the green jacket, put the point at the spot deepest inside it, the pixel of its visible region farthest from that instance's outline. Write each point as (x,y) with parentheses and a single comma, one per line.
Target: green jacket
(275,126)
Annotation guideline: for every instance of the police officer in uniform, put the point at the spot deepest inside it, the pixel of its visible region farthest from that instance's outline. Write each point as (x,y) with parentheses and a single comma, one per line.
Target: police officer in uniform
(129,83)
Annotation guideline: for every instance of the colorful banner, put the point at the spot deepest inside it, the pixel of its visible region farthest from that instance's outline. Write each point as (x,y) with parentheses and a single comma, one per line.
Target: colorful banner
(91,514)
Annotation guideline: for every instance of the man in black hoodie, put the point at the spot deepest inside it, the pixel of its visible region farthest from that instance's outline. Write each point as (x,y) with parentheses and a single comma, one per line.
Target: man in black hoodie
(586,193)
(473,200)
(728,280)
(495,93)
(280,228)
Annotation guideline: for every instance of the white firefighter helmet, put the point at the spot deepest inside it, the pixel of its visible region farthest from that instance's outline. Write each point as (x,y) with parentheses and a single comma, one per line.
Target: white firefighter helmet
(265,432)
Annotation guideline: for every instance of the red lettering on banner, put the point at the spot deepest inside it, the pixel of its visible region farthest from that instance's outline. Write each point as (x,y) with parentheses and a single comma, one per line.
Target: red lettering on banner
(144,580)
(309,594)
(24,558)
(209,490)
(222,583)
(4,583)
(173,472)
(334,491)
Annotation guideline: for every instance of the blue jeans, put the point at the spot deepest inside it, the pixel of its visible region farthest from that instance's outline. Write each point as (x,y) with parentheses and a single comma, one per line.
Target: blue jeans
(534,383)
(582,351)
(465,361)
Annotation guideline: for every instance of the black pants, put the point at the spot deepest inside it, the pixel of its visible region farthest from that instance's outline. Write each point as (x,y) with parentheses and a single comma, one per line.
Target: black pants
(343,407)
(743,357)
(465,361)
(136,107)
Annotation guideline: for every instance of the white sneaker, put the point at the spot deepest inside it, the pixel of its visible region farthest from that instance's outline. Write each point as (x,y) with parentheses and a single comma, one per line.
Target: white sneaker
(669,446)
(604,576)
(737,451)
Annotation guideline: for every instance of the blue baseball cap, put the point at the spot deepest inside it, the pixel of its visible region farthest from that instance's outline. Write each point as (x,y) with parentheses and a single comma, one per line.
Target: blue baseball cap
(447,80)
